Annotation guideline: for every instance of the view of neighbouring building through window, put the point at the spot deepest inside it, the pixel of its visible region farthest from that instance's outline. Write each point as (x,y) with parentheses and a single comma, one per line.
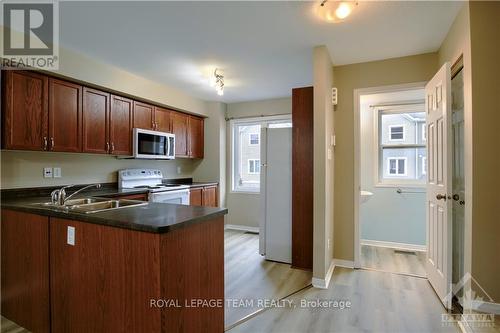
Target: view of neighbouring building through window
(402,153)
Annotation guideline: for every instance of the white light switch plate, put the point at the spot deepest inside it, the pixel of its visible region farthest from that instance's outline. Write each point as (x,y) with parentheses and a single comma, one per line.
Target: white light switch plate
(71,235)
(57,173)
(47,172)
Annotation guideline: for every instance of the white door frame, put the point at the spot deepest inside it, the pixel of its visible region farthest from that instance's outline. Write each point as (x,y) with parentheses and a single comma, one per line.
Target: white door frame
(357,152)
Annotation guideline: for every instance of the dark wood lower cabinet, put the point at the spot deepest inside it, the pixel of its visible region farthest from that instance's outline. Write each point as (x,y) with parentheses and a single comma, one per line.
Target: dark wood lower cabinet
(196,196)
(25,270)
(210,196)
(112,279)
(104,282)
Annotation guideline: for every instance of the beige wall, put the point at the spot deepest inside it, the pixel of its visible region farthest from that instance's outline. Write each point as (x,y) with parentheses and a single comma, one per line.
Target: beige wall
(410,69)
(213,165)
(485,50)
(323,163)
(244,208)
(25,168)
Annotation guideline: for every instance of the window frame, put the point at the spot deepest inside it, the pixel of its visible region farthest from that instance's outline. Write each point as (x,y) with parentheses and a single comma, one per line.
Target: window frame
(397,159)
(390,133)
(424,165)
(250,139)
(255,163)
(264,122)
(393,181)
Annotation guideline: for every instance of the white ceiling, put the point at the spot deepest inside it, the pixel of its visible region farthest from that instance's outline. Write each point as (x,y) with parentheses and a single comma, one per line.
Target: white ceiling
(263,48)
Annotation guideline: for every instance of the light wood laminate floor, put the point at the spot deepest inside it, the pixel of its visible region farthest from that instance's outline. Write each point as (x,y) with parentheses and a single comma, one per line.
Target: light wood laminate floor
(11,327)
(381,302)
(248,276)
(391,260)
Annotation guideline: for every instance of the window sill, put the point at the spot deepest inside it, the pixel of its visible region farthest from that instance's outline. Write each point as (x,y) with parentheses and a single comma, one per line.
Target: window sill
(400,185)
(244,192)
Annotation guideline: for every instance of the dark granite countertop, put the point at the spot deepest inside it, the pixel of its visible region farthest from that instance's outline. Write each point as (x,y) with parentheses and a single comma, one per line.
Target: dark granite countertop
(153,217)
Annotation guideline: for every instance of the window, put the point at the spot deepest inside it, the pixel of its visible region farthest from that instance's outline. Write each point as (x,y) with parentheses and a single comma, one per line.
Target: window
(254,138)
(401,152)
(424,132)
(397,132)
(253,166)
(424,165)
(245,150)
(397,166)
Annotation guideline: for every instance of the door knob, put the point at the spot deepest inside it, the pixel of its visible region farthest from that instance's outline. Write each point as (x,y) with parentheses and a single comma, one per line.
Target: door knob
(456,197)
(441,197)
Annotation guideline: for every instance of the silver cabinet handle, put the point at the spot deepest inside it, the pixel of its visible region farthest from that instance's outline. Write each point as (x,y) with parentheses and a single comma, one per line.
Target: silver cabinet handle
(107,147)
(112,147)
(51,143)
(45,143)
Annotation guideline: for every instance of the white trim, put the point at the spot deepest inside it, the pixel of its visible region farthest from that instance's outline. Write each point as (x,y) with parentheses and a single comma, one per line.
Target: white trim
(241,228)
(394,245)
(357,152)
(390,133)
(485,307)
(324,283)
(344,263)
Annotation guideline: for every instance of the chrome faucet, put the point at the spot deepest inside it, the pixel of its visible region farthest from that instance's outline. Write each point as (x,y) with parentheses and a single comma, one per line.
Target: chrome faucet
(59,196)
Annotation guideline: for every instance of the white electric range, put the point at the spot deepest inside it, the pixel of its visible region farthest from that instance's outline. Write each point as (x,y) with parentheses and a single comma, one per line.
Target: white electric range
(151,179)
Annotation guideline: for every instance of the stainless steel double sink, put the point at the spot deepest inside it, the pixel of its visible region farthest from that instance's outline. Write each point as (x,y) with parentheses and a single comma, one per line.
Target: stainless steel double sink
(92,205)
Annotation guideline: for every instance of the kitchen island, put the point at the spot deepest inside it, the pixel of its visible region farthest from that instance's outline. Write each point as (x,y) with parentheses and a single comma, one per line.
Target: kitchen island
(151,268)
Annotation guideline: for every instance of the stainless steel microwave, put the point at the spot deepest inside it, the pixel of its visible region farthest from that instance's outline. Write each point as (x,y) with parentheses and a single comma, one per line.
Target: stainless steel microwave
(153,144)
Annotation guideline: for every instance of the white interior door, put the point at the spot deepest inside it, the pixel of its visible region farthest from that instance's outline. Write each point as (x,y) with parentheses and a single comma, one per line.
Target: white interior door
(276,158)
(438,202)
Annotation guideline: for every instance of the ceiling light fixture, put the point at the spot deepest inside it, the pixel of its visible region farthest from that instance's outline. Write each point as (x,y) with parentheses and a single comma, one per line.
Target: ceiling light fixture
(218,82)
(335,11)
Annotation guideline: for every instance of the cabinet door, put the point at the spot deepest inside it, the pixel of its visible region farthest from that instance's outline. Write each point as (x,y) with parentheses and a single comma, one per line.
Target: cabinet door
(196,197)
(120,126)
(65,116)
(210,196)
(179,127)
(95,121)
(196,137)
(25,111)
(25,270)
(162,119)
(143,116)
(105,281)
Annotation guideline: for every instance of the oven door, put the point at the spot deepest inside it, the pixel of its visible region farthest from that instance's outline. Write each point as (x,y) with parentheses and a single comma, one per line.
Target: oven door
(180,197)
(153,144)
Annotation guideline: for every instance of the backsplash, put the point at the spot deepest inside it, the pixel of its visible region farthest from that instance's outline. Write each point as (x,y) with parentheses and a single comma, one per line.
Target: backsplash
(25,168)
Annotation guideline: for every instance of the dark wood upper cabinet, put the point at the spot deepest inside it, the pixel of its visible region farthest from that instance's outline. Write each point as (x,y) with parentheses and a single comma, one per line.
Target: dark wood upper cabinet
(179,126)
(25,108)
(65,116)
(25,270)
(302,177)
(162,119)
(41,112)
(196,137)
(95,121)
(120,126)
(143,116)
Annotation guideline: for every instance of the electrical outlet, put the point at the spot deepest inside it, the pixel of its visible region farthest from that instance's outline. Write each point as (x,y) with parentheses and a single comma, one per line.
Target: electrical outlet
(71,236)
(47,172)
(57,172)
(179,170)
(329,243)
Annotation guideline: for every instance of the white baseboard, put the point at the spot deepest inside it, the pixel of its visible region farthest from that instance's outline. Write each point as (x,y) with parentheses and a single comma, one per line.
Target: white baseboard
(323,283)
(241,228)
(344,263)
(394,245)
